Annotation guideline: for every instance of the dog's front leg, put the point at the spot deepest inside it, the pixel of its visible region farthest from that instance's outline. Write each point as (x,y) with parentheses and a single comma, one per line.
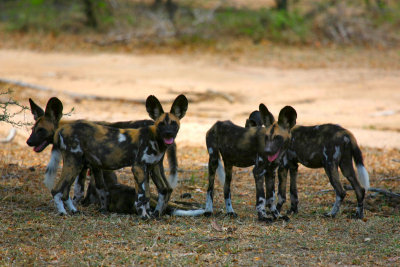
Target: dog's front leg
(258,173)
(140,173)
(163,187)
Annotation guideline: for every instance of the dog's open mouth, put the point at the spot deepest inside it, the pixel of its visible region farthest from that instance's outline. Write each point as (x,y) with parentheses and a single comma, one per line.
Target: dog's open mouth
(271,158)
(168,141)
(40,147)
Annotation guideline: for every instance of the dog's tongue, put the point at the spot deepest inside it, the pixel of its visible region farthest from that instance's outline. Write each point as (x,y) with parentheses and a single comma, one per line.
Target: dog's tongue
(168,141)
(273,157)
(40,147)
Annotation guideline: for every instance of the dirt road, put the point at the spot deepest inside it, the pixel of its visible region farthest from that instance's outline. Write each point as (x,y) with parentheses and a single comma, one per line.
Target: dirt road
(367,101)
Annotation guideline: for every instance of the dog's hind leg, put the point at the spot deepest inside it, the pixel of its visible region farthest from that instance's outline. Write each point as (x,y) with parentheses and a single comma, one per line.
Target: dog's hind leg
(101,188)
(346,166)
(294,199)
(79,186)
(212,168)
(227,190)
(331,170)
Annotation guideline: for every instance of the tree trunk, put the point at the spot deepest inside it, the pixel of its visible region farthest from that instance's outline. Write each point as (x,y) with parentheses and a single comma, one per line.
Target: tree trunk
(90,14)
(281,4)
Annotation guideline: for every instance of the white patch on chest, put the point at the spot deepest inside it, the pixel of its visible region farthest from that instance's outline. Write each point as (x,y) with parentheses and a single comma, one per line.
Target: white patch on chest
(150,158)
(121,138)
(154,145)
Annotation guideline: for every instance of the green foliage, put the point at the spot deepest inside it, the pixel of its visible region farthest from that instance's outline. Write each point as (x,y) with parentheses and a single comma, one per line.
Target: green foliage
(194,23)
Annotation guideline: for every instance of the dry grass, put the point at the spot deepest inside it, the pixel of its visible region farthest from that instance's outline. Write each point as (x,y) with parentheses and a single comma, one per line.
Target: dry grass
(31,233)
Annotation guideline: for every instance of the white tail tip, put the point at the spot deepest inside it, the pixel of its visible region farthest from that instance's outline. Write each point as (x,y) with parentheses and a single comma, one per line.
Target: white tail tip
(191,213)
(363,176)
(173,180)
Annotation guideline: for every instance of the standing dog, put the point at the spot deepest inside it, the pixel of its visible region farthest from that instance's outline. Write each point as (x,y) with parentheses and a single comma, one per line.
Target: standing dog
(106,148)
(43,133)
(325,146)
(244,147)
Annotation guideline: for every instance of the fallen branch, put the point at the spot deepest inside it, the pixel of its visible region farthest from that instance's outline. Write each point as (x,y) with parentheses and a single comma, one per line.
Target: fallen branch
(396,160)
(390,178)
(378,190)
(371,189)
(76,96)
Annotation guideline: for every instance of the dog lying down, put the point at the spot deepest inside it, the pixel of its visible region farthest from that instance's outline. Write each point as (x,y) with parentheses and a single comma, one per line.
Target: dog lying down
(121,199)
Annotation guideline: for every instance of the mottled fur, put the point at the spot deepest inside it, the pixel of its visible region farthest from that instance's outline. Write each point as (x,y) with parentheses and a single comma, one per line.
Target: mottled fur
(244,147)
(330,147)
(327,146)
(106,148)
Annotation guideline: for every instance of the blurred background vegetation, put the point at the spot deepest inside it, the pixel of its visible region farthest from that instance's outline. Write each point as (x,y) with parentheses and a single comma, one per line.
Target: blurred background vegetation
(344,22)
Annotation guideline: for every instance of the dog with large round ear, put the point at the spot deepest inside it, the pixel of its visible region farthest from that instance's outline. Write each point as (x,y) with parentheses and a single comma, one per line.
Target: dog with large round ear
(46,123)
(266,117)
(287,117)
(155,109)
(54,109)
(254,120)
(36,111)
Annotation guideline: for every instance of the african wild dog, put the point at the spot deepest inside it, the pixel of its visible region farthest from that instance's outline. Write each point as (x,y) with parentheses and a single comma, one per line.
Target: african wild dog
(325,146)
(122,199)
(43,133)
(244,147)
(107,148)
(254,120)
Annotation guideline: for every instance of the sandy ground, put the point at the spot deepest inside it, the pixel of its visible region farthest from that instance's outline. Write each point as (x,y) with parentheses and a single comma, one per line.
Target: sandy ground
(366,101)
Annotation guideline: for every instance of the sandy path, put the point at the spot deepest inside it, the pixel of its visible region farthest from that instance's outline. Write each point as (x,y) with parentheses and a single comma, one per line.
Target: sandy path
(364,100)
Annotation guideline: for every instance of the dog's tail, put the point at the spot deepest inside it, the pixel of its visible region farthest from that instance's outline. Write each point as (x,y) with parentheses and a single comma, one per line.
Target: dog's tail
(358,159)
(213,151)
(190,213)
(51,170)
(173,165)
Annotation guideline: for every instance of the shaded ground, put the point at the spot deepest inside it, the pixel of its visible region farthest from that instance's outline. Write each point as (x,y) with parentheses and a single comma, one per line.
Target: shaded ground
(32,233)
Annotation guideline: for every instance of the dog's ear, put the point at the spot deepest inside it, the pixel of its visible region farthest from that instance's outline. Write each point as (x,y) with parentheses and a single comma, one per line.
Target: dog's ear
(254,119)
(37,111)
(287,117)
(54,109)
(180,106)
(266,117)
(250,123)
(153,107)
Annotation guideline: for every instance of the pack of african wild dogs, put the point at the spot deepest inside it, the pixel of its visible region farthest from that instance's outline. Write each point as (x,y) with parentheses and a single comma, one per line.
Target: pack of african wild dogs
(95,149)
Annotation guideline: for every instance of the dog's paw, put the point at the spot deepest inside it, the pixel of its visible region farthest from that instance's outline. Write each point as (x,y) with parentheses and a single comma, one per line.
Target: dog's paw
(292,211)
(208,213)
(75,212)
(284,218)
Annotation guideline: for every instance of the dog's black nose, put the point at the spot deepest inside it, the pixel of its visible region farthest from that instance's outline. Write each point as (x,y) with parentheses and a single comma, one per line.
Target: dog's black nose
(29,142)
